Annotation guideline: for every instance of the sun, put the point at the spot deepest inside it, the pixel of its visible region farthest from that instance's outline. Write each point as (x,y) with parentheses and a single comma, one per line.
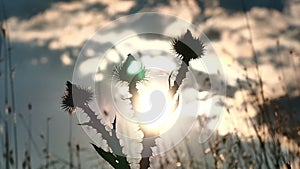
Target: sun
(155,107)
(166,121)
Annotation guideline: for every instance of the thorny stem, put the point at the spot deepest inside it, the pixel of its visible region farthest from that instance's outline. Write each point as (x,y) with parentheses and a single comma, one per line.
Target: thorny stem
(179,78)
(148,140)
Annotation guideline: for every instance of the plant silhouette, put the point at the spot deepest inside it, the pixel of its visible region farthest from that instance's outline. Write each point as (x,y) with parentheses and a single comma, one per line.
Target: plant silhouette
(132,72)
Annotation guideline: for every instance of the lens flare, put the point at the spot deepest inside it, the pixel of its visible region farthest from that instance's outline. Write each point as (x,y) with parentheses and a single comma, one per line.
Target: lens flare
(134,67)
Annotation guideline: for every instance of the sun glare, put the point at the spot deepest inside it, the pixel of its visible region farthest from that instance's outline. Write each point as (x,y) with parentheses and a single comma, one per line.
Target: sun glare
(156,108)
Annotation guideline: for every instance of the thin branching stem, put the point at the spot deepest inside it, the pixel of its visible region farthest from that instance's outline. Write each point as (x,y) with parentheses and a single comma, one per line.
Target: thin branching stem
(78,156)
(70,145)
(9,73)
(29,134)
(47,142)
(7,153)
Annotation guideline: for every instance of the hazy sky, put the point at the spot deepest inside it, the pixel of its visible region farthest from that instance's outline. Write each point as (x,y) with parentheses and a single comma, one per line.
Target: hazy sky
(46,38)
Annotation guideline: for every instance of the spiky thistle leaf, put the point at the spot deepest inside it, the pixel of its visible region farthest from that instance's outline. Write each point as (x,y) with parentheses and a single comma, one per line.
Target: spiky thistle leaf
(116,161)
(75,95)
(188,47)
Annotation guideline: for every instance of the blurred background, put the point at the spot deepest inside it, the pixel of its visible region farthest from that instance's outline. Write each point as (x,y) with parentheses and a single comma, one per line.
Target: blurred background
(257,41)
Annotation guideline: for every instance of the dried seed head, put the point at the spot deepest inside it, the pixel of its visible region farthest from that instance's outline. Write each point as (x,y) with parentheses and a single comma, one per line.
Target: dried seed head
(29,106)
(77,147)
(8,109)
(188,47)
(130,70)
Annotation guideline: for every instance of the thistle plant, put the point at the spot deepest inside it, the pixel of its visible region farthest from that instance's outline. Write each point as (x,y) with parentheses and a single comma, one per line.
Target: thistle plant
(126,73)
(187,48)
(131,72)
(83,96)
